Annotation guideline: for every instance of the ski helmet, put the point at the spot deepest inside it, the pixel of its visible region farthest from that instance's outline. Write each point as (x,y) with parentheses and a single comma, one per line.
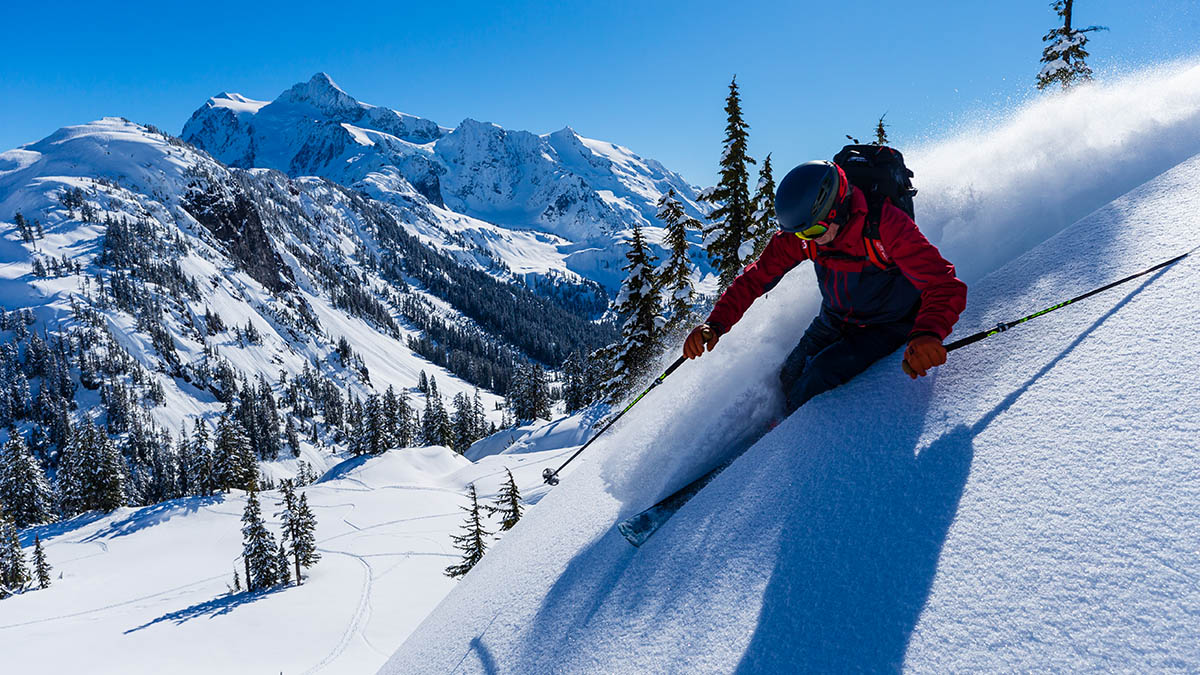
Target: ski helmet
(807,195)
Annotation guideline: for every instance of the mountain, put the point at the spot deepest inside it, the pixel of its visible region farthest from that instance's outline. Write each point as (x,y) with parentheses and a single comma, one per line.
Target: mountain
(147,285)
(559,198)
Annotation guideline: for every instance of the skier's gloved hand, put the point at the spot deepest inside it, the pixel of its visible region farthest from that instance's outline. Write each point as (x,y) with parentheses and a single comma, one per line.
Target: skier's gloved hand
(924,353)
(701,336)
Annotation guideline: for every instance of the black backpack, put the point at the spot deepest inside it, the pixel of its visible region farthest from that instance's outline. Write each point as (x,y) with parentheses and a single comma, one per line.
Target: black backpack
(880,173)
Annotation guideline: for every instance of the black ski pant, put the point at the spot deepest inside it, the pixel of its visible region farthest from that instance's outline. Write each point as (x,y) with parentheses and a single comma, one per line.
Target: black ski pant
(832,352)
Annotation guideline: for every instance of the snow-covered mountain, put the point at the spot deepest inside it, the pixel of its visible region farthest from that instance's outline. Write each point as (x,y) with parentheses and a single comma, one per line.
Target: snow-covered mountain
(571,198)
(177,278)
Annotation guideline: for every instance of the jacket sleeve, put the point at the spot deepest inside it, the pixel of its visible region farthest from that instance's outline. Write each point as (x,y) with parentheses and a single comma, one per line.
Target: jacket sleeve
(943,294)
(783,252)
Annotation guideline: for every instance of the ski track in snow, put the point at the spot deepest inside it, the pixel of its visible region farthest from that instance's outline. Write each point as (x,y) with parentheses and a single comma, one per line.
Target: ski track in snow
(361,614)
(113,605)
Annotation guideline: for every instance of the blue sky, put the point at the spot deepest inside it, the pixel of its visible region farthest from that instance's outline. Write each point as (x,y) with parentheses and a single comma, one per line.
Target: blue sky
(648,75)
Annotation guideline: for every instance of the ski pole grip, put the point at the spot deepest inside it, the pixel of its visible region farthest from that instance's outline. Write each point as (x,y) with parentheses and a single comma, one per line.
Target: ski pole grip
(708,334)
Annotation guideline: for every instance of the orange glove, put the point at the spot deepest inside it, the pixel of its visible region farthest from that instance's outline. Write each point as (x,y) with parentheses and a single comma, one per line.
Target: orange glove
(924,353)
(701,336)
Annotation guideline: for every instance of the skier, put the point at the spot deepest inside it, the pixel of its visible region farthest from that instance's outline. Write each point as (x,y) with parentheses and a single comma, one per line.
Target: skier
(880,287)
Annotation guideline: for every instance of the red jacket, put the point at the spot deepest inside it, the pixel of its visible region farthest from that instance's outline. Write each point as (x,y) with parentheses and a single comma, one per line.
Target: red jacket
(856,291)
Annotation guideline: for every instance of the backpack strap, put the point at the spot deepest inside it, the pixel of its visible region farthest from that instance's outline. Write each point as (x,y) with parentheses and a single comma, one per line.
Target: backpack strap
(872,242)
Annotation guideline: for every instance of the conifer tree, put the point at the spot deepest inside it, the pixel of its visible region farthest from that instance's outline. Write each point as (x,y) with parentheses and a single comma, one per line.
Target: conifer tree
(110,473)
(508,504)
(283,575)
(299,527)
(23,487)
(638,303)
(41,568)
(435,424)
(14,573)
(479,416)
(472,542)
(880,132)
(729,223)
(575,394)
(258,546)
(91,472)
(293,437)
(234,465)
(675,276)
(401,414)
(200,468)
(377,437)
(1063,59)
(463,423)
(763,225)
(70,476)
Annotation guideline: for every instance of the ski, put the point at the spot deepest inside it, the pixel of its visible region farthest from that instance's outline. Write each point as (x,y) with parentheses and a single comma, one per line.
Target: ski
(641,526)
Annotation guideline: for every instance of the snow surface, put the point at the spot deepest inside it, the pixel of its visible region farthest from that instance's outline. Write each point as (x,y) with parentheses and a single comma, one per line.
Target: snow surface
(1030,506)
(146,590)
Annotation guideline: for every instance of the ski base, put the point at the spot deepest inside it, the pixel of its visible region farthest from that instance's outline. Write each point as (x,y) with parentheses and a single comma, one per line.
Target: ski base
(641,526)
(638,528)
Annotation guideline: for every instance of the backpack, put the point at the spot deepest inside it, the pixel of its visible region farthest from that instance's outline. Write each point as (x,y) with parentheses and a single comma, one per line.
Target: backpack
(880,173)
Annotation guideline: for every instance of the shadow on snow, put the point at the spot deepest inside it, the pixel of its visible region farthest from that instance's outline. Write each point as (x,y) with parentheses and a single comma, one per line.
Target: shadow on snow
(210,608)
(858,560)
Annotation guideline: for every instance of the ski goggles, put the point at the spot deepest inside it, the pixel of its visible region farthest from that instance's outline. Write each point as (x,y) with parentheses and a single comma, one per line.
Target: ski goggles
(813,231)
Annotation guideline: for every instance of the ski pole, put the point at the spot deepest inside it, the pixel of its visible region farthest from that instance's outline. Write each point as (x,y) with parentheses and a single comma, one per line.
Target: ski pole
(551,476)
(1002,326)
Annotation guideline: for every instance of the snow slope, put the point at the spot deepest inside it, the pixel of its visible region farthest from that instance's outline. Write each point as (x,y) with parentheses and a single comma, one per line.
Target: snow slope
(146,590)
(1030,506)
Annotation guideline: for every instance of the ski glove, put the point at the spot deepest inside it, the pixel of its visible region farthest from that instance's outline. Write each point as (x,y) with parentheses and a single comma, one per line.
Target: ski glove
(924,353)
(701,336)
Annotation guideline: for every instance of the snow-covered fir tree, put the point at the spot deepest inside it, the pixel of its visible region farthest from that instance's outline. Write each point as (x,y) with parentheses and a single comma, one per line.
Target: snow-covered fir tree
(91,472)
(762,226)
(529,393)
(576,396)
(233,461)
(729,222)
(472,542)
(675,275)
(304,536)
(283,575)
(375,433)
(1065,54)
(435,422)
(397,412)
(507,504)
(24,491)
(462,421)
(638,303)
(14,573)
(200,469)
(299,528)
(41,568)
(258,546)
(293,436)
